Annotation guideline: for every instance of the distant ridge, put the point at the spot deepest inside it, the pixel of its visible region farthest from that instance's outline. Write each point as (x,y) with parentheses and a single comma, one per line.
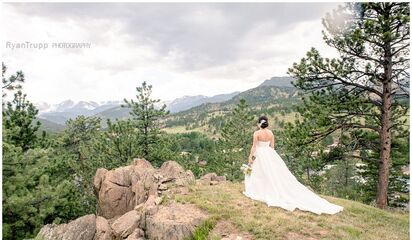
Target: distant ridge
(187,102)
(278,82)
(60,113)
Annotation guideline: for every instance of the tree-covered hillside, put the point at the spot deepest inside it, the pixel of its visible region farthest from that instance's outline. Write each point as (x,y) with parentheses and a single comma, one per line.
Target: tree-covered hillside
(278,103)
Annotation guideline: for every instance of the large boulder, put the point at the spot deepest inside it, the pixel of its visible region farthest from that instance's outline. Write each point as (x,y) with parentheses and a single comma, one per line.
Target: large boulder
(174,221)
(103,229)
(126,224)
(115,195)
(83,228)
(119,190)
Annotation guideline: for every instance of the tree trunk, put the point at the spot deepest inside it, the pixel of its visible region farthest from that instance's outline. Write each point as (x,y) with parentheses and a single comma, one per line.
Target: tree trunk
(385,133)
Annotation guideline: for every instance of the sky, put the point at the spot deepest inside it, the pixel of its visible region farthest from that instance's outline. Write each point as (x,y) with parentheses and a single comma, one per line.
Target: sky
(180,49)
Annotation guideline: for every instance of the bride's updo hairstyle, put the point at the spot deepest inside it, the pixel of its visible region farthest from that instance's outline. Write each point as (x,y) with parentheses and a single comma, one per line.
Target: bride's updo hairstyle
(263,122)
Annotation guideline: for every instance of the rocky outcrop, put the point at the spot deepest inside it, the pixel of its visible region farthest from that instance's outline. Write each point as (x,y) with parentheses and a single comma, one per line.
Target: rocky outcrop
(83,228)
(120,190)
(131,206)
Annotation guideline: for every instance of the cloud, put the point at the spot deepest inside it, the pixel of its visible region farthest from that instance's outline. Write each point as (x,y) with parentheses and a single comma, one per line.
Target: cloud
(180,48)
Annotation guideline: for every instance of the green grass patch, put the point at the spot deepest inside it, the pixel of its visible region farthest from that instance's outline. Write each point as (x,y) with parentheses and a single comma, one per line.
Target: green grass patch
(202,232)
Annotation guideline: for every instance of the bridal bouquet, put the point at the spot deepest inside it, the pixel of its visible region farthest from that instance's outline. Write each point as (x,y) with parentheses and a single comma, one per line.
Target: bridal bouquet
(246,169)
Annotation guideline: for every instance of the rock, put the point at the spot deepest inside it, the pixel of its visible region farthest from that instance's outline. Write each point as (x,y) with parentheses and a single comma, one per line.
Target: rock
(83,228)
(211,179)
(139,192)
(126,224)
(115,196)
(121,189)
(153,190)
(214,182)
(174,222)
(98,179)
(228,231)
(150,200)
(142,164)
(151,210)
(180,190)
(171,170)
(202,163)
(158,200)
(137,234)
(128,202)
(103,229)
(157,176)
(220,178)
(139,207)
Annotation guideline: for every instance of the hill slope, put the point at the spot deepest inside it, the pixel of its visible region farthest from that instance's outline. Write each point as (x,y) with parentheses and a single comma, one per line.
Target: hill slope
(274,101)
(278,81)
(49,126)
(187,102)
(357,221)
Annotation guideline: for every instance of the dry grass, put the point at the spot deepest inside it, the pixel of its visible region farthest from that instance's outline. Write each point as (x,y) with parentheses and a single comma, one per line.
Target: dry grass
(357,221)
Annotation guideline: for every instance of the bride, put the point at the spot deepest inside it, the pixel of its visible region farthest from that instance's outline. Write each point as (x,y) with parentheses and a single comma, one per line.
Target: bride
(271,181)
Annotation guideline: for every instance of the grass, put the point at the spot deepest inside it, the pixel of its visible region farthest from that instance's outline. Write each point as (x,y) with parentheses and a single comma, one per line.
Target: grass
(357,221)
(202,232)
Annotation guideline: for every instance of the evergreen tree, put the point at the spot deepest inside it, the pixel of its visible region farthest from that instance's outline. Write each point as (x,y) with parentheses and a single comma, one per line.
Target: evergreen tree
(146,117)
(117,145)
(18,118)
(38,181)
(37,190)
(366,87)
(236,139)
(304,159)
(13,82)
(75,141)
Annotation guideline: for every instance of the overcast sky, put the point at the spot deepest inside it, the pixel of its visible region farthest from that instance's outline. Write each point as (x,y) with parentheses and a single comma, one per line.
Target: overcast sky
(181,49)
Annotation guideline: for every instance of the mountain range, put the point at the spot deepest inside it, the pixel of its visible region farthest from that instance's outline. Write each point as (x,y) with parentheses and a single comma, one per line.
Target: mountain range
(54,116)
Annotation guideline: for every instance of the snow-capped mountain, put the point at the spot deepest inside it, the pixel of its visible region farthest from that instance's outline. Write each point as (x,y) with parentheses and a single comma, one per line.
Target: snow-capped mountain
(71,106)
(61,112)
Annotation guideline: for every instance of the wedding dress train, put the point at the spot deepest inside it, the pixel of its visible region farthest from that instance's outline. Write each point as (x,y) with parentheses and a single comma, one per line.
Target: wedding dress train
(273,183)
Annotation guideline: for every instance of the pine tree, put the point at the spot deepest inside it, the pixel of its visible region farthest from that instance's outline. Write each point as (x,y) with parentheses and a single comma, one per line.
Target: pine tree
(236,139)
(75,141)
(13,82)
(366,88)
(18,122)
(38,181)
(146,117)
(117,145)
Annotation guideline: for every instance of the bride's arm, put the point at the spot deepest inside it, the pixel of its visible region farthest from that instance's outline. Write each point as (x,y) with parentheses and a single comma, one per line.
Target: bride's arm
(272,142)
(253,149)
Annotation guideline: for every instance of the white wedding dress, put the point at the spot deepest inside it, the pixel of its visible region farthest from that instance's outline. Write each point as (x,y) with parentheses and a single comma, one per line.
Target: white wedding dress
(271,182)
